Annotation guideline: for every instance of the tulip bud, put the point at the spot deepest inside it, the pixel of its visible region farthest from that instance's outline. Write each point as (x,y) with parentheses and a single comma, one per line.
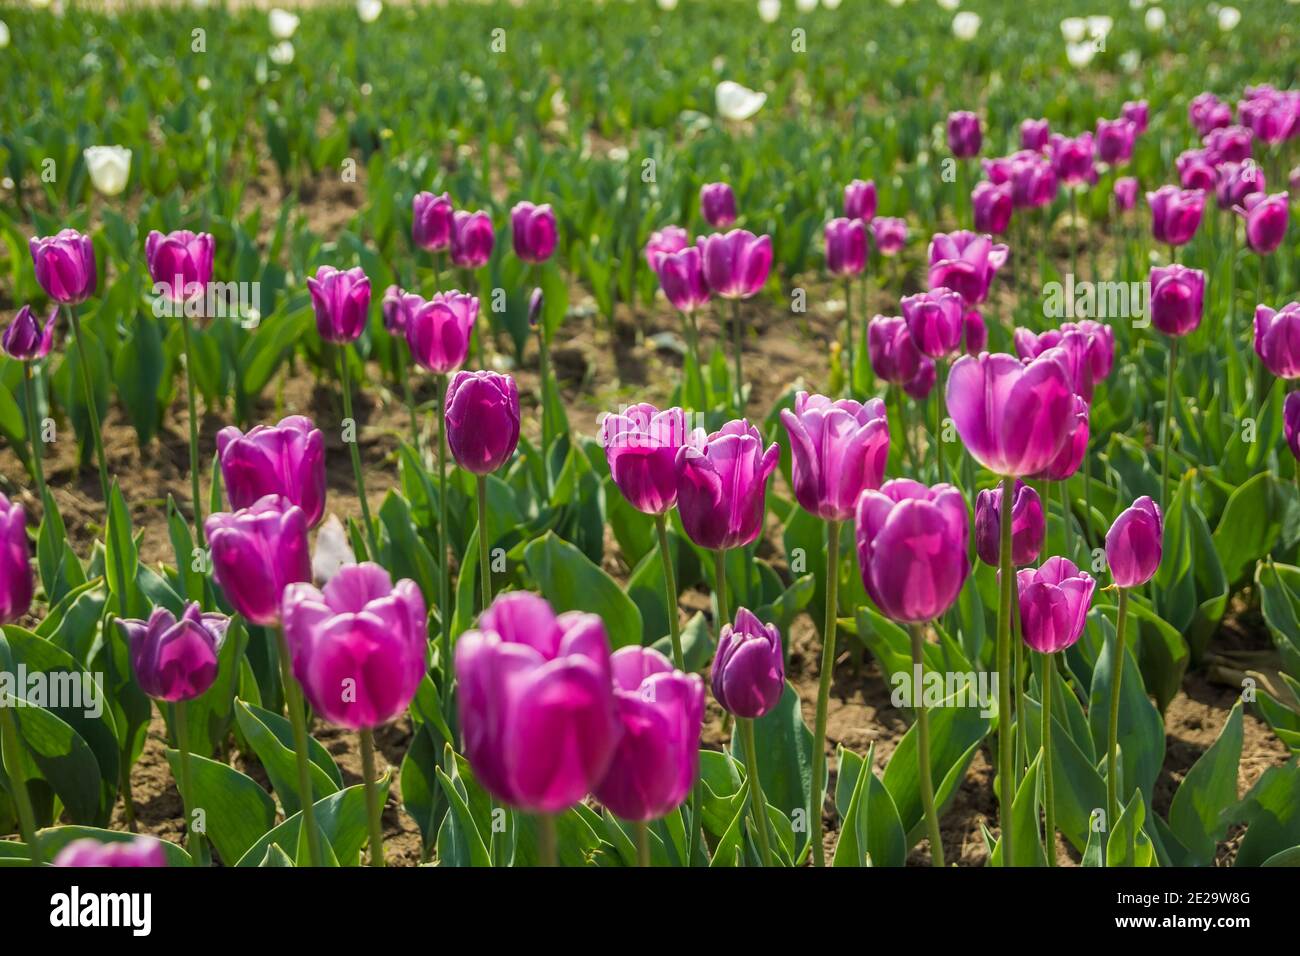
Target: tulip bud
(1070,457)
(860,200)
(438,332)
(482,420)
(341,301)
(894,355)
(286,459)
(975,334)
(1207,113)
(1072,158)
(1228,144)
(722,486)
(175,660)
(718,205)
(1177,298)
(1136,112)
(923,381)
(431,221)
(1175,214)
(664,242)
(1028,526)
(1235,181)
(536,306)
(1126,190)
(135,852)
(396,308)
(1196,170)
(109,168)
(1034,134)
(25,340)
(180,261)
(1054,601)
(1277,339)
(641,447)
(992,206)
(966,263)
(964,134)
(846,247)
(15,562)
(935,320)
(837,449)
(890,234)
(65,266)
(472,239)
(1114,142)
(736,264)
(681,276)
(1134,544)
(256,553)
(1266,221)
(534,232)
(749,667)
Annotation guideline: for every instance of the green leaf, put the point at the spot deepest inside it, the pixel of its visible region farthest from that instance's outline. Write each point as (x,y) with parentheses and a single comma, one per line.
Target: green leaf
(236,809)
(1271,814)
(870,832)
(340,818)
(1250,526)
(271,737)
(464,845)
(784,744)
(54,839)
(276,857)
(1209,788)
(1027,844)
(1128,843)
(120,555)
(571,582)
(1142,729)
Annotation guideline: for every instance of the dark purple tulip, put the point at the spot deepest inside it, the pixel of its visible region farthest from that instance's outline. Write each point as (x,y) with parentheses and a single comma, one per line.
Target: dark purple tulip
(641,447)
(846,246)
(25,339)
(923,381)
(1196,170)
(1072,158)
(1177,298)
(860,200)
(723,485)
(736,264)
(472,239)
(1270,118)
(1175,214)
(1228,144)
(396,308)
(1028,526)
(181,261)
(912,546)
(341,301)
(482,420)
(1126,193)
(1013,416)
(1266,221)
(1034,134)
(718,205)
(65,266)
(658,754)
(1277,339)
(1291,423)
(837,449)
(681,276)
(890,234)
(359,646)
(536,702)
(438,331)
(1235,181)
(175,660)
(965,262)
(286,459)
(1207,113)
(536,306)
(1134,544)
(1137,113)
(534,231)
(15,562)
(1077,353)
(1054,602)
(975,334)
(935,319)
(431,221)
(1115,139)
(749,668)
(964,134)
(256,553)
(993,207)
(664,242)
(1033,183)
(1070,457)
(894,355)
(89,852)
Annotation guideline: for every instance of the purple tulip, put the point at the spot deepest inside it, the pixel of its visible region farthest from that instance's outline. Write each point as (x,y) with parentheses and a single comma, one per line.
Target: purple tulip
(736,263)
(359,646)
(974,334)
(1075,346)
(180,261)
(837,449)
(1175,214)
(1126,193)
(1235,181)
(912,545)
(1054,602)
(1271,118)
(894,355)
(1033,181)
(749,668)
(341,301)
(396,308)
(472,239)
(65,266)
(890,234)
(1277,339)
(658,754)
(935,319)
(923,381)
(993,207)
(431,221)
(965,262)
(641,446)
(256,553)
(536,702)
(1136,112)
(1134,544)
(721,486)
(1101,345)
(846,247)
(964,134)
(664,242)
(1196,170)
(482,420)
(1028,526)
(1013,416)
(1070,457)
(534,231)
(1291,423)
(438,331)
(1177,298)
(1266,221)
(718,204)
(88,852)
(1035,134)
(1072,158)
(286,459)
(1228,144)
(860,200)
(175,660)
(25,339)
(681,275)
(15,562)
(1207,113)
(536,306)
(1115,140)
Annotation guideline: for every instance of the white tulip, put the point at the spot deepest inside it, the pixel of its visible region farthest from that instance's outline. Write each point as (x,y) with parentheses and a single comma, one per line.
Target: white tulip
(1229,17)
(109,168)
(283,23)
(332,550)
(282,53)
(1130,60)
(896,3)
(769,10)
(1137,4)
(667,4)
(805,6)
(1074,29)
(204,84)
(1080,54)
(369,10)
(1099,27)
(950,4)
(965,25)
(1155,19)
(835,4)
(736,102)
(4,35)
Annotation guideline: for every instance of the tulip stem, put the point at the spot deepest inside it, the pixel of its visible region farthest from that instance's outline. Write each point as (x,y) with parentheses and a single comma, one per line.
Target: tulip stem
(195,841)
(1017,641)
(824,691)
(670,592)
(11,767)
(1065,518)
(404,380)
(1074,228)
(293,698)
(374,810)
(33,443)
(484,565)
(444,571)
(546,841)
(757,802)
(1112,735)
(848,332)
(923,768)
(346,376)
(1006,739)
(642,842)
(195,495)
(738,332)
(693,348)
(720,589)
(1049,791)
(1169,423)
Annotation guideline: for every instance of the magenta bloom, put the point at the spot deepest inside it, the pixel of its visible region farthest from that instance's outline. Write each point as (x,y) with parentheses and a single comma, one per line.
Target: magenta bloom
(923,381)
(860,200)
(181,261)
(1114,141)
(1236,181)
(174,659)
(736,263)
(1126,193)
(1271,118)
(1207,112)
(1175,214)
(749,668)
(912,544)
(1134,544)
(341,301)
(992,205)
(534,231)
(438,331)
(89,852)
(1101,345)
(665,241)
(1033,181)
(359,646)
(1137,113)
(1196,170)
(536,700)
(846,246)
(431,221)
(482,420)
(964,134)
(1072,158)
(1291,423)
(65,266)
(890,234)
(1228,144)
(1266,221)
(975,334)
(965,262)
(1277,339)
(1028,526)
(472,239)
(1076,352)
(15,562)
(1070,457)
(718,204)
(935,319)
(396,308)
(681,276)
(1054,602)
(1034,134)
(658,754)
(257,552)
(894,355)
(721,487)
(1177,298)
(837,449)
(25,339)
(1013,417)
(641,447)
(286,459)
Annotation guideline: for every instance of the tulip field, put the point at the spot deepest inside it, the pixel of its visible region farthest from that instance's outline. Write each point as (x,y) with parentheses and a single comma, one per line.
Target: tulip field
(673,433)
